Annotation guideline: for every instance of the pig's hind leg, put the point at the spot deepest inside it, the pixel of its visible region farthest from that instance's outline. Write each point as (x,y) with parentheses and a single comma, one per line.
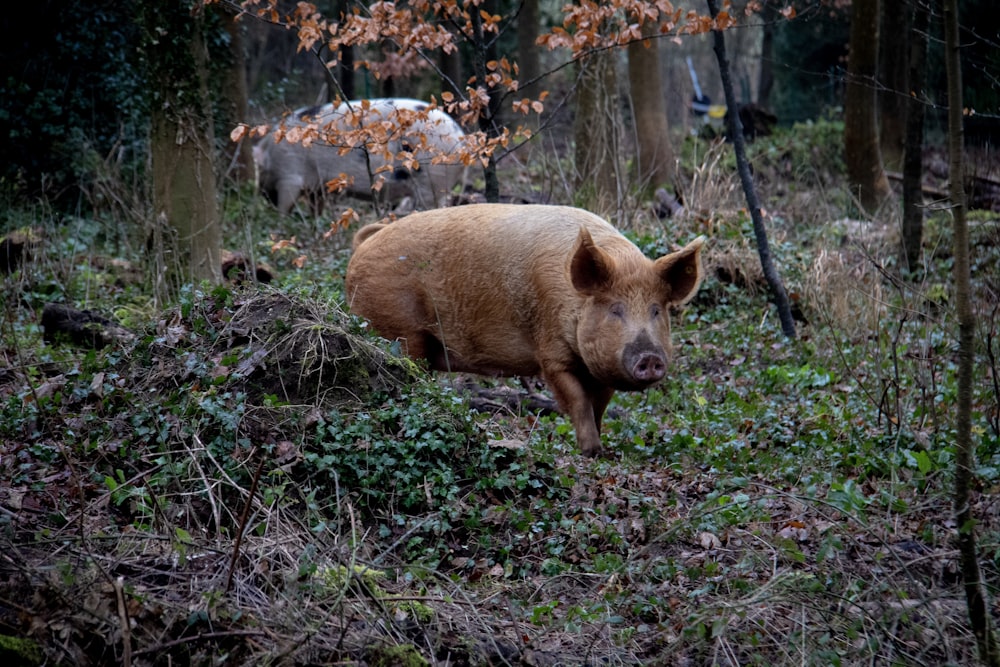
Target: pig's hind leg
(441,358)
(288,189)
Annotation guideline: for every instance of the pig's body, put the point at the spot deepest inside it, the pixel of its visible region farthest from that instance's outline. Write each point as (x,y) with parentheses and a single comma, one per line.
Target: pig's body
(286,168)
(525,290)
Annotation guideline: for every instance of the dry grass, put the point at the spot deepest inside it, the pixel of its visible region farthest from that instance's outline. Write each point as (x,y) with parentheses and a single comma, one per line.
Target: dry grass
(844,291)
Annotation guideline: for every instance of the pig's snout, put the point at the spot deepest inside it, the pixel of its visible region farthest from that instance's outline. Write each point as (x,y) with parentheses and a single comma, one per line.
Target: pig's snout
(649,367)
(644,361)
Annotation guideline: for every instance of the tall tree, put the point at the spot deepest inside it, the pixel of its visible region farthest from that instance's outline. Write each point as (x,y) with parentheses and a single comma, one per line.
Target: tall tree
(483,40)
(182,139)
(595,128)
(895,38)
(655,155)
(345,59)
(235,97)
(913,198)
(975,596)
(529,60)
(862,154)
(769,16)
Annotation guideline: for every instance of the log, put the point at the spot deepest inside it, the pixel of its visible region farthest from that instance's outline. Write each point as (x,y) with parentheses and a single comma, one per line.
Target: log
(83,328)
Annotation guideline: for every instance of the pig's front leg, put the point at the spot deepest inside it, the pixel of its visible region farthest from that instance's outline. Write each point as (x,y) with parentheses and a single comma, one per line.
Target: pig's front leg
(584,404)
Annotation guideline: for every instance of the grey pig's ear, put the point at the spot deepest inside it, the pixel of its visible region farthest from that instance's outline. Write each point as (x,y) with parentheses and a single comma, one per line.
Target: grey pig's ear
(592,268)
(682,271)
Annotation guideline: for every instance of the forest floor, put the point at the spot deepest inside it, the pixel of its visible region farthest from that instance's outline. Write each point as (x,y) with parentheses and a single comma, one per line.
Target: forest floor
(246,476)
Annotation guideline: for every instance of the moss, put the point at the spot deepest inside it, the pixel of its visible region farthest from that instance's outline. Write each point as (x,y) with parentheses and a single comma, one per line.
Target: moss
(338,577)
(404,655)
(417,610)
(18,652)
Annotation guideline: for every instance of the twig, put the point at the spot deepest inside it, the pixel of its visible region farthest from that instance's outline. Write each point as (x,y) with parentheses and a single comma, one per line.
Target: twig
(746,178)
(123,617)
(204,636)
(244,518)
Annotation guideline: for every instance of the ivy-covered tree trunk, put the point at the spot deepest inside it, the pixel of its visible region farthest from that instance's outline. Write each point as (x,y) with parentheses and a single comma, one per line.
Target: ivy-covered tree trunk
(655,155)
(182,142)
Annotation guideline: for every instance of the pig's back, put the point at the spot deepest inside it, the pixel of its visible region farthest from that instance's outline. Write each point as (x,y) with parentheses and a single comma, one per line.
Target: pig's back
(503,253)
(491,279)
(511,233)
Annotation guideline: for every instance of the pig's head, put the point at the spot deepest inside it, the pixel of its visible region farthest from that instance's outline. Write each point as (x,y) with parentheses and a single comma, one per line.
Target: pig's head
(623,331)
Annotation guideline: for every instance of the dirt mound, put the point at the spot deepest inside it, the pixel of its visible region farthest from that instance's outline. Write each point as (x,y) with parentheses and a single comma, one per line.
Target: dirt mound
(303,352)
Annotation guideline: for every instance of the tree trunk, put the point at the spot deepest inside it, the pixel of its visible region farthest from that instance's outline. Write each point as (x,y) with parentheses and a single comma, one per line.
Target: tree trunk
(451,69)
(484,50)
(655,156)
(239,155)
(913,198)
(765,84)
(345,59)
(528,61)
(975,596)
(895,38)
(182,141)
(864,161)
(594,129)
(771,275)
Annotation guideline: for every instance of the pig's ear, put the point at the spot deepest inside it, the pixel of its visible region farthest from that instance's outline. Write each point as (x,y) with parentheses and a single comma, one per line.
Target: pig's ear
(591,268)
(682,272)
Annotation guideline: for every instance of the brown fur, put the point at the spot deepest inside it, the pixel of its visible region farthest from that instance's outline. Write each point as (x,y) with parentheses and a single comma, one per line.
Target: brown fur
(365,232)
(512,290)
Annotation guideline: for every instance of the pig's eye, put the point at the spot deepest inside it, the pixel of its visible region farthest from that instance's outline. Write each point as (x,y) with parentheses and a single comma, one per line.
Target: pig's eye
(618,310)
(655,310)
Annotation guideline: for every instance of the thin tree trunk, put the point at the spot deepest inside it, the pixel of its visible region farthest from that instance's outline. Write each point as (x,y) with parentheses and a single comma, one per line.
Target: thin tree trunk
(975,596)
(484,50)
(769,15)
(236,98)
(655,155)
(913,198)
(743,166)
(345,66)
(451,71)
